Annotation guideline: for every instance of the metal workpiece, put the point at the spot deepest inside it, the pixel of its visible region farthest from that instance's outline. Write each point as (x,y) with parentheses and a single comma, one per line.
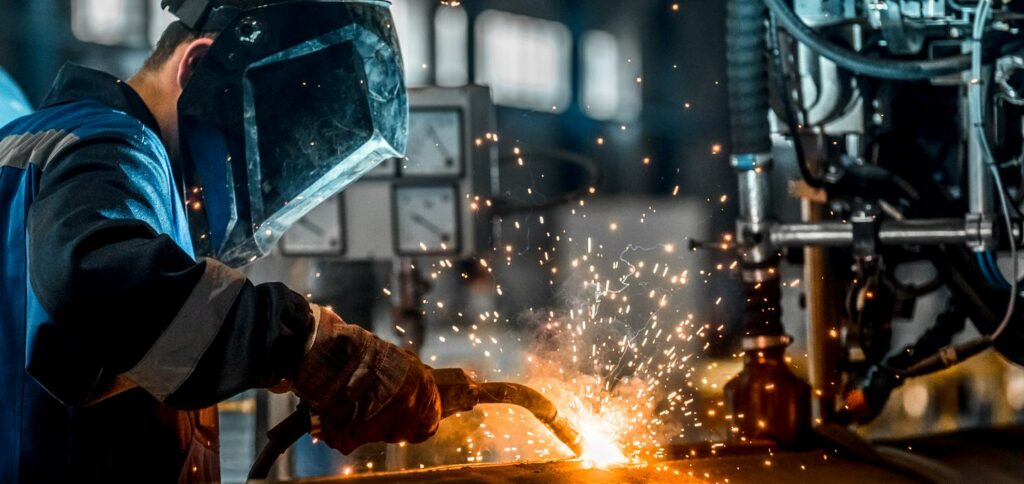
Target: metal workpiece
(960,231)
(961,456)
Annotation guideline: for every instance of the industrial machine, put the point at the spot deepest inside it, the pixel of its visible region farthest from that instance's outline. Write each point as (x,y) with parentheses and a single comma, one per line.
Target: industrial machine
(904,119)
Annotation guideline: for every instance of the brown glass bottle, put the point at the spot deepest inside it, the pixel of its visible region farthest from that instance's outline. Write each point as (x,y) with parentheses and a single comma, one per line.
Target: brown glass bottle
(768,403)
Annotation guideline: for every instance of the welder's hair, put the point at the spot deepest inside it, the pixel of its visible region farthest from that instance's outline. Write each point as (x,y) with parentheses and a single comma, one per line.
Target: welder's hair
(174,35)
(177,33)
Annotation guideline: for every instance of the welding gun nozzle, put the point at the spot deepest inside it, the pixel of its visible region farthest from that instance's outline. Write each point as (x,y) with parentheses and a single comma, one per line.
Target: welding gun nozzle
(538,405)
(567,433)
(461,393)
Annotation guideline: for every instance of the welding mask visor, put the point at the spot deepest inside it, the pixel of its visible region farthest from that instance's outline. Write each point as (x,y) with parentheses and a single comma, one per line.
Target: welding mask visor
(293,102)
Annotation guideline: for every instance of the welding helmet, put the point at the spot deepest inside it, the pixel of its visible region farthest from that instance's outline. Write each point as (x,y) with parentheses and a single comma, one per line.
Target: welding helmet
(294,101)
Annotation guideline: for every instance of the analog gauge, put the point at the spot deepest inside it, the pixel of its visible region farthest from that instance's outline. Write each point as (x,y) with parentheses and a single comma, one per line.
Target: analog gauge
(386,169)
(435,143)
(426,220)
(320,232)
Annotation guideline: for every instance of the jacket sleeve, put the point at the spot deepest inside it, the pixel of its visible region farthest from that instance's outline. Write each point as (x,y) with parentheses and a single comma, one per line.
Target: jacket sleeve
(127,296)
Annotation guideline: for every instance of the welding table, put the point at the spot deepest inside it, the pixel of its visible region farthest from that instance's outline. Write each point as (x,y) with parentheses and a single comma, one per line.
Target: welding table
(990,456)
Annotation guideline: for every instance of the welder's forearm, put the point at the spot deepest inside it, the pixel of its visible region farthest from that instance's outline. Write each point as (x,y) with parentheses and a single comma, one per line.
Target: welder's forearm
(189,341)
(261,342)
(191,333)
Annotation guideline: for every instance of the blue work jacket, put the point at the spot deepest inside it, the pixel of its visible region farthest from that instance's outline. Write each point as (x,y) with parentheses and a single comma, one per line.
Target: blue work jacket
(114,340)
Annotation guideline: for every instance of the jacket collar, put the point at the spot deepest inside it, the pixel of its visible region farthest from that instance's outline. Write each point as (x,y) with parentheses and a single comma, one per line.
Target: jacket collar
(77,83)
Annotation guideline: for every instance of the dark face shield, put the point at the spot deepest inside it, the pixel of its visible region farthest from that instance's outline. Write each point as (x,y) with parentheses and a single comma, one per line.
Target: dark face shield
(293,102)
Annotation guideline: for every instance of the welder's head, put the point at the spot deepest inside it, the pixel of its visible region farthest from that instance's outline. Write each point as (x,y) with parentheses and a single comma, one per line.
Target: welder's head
(283,104)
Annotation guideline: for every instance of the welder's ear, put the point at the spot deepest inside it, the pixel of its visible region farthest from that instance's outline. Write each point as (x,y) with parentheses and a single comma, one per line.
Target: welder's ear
(194,52)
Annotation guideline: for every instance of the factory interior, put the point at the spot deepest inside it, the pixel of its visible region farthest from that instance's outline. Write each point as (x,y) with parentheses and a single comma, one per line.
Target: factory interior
(634,241)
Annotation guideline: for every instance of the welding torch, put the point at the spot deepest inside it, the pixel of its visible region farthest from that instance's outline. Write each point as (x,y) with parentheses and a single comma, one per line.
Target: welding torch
(459,393)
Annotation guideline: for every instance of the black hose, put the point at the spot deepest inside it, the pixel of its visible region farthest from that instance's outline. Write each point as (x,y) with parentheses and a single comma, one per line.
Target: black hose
(747,79)
(746,72)
(897,70)
(279,438)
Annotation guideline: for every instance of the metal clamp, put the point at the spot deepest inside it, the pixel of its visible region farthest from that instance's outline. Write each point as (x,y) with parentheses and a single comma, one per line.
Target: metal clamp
(979,231)
(866,228)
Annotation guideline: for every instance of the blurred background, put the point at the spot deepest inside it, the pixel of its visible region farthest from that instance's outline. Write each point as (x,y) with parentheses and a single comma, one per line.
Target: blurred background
(637,88)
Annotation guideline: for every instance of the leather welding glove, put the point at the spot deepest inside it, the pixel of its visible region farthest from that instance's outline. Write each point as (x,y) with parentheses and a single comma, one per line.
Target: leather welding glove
(364,389)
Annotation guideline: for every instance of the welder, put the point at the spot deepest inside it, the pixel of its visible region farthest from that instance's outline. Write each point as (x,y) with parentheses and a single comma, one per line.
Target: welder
(125,210)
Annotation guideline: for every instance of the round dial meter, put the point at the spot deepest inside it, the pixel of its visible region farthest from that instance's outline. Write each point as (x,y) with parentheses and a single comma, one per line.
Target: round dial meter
(426,220)
(320,232)
(435,143)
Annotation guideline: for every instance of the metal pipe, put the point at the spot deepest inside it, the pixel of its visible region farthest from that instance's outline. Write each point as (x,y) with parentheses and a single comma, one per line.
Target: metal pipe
(754,196)
(821,302)
(892,232)
(979,185)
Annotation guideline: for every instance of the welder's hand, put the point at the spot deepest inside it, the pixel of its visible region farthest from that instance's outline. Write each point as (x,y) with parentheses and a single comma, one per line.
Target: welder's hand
(364,389)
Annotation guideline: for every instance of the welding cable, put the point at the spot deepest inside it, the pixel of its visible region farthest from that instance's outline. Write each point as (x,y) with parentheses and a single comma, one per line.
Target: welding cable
(990,269)
(984,268)
(279,438)
(897,70)
(788,113)
(985,264)
(997,273)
